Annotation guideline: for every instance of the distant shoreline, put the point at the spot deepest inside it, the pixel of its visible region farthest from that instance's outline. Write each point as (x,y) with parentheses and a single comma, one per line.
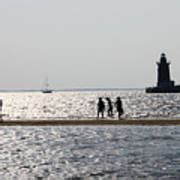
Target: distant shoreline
(89,122)
(71,90)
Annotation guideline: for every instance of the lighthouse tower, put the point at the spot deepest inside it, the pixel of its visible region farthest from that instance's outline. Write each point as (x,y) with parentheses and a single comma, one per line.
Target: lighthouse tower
(163,75)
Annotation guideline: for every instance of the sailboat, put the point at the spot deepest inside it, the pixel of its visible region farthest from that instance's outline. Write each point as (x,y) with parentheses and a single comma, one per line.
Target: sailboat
(47,89)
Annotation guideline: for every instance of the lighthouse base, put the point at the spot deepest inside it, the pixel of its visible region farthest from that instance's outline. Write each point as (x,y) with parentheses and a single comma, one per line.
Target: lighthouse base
(171,89)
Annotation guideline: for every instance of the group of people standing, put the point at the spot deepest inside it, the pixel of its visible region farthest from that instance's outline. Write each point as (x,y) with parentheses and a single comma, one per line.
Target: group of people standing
(101,107)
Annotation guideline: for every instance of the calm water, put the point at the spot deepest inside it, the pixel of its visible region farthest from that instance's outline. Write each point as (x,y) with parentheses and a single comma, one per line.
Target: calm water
(86,152)
(122,152)
(82,105)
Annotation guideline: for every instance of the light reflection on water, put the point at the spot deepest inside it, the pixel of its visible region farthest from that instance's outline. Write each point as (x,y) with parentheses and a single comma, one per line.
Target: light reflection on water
(82,105)
(107,152)
(90,152)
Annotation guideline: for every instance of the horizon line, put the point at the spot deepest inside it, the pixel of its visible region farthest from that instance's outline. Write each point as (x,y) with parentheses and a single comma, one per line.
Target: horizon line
(70,89)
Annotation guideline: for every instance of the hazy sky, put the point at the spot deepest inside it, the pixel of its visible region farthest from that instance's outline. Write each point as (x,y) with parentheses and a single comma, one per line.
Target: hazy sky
(87,43)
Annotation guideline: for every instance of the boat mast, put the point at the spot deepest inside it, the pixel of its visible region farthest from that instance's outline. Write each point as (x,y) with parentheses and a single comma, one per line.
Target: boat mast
(46,83)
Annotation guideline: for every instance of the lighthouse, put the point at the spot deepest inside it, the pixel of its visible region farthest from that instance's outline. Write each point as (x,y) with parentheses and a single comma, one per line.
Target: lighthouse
(164,82)
(163,79)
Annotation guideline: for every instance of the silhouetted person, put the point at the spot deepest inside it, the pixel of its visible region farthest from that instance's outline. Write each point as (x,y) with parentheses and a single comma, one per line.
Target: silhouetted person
(110,107)
(1,104)
(100,108)
(119,107)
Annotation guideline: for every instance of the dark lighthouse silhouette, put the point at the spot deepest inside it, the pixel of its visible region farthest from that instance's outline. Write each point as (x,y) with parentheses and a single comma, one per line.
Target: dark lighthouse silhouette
(164,82)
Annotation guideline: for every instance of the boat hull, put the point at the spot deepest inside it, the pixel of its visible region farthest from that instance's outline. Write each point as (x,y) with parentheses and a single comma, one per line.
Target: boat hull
(47,91)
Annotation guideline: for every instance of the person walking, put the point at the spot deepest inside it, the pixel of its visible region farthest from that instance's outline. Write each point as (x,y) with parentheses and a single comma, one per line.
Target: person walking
(119,107)
(100,108)
(110,107)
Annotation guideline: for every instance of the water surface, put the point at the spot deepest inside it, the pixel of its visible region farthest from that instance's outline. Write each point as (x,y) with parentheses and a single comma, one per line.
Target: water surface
(90,152)
(82,105)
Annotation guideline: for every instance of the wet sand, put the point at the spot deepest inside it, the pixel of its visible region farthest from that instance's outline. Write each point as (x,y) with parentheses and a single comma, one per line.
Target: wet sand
(156,122)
